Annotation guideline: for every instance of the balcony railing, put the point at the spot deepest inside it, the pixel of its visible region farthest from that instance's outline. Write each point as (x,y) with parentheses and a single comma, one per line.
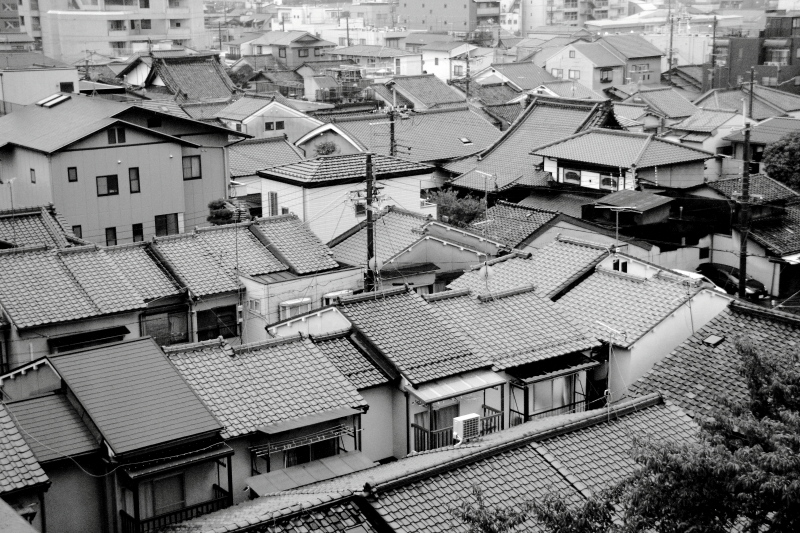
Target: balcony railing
(222,499)
(516,418)
(491,422)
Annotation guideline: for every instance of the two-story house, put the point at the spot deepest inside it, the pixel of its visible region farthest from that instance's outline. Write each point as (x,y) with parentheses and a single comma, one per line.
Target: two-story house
(290,48)
(590,64)
(123,174)
(266,116)
(379,62)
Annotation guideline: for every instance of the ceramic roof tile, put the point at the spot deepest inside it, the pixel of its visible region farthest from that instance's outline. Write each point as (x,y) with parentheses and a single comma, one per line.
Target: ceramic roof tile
(507,112)
(558,201)
(696,375)
(706,120)
(550,269)
(760,184)
(422,345)
(572,89)
(427,136)
(428,89)
(264,383)
(133,395)
(33,227)
(525,75)
(343,167)
(195,77)
(142,271)
(629,111)
(489,94)
(395,230)
(512,328)
(767,102)
(781,235)
(30,61)
(349,360)
(53,424)
(249,156)
(512,223)
(632,306)
(599,55)
(296,244)
(243,108)
(41,287)
(19,468)
(768,131)
(202,110)
(666,101)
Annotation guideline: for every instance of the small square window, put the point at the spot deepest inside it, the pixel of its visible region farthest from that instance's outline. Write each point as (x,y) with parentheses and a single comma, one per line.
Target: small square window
(138,232)
(574,74)
(133,178)
(77,231)
(116,135)
(166,225)
(66,87)
(107,185)
(704,253)
(153,122)
(281,52)
(279,125)
(191,167)
(572,54)
(72,174)
(111,236)
(269,126)
(303,52)
(33,175)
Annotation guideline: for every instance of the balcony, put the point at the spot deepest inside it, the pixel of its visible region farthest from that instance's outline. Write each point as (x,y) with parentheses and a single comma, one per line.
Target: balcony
(221,500)
(488,11)
(490,422)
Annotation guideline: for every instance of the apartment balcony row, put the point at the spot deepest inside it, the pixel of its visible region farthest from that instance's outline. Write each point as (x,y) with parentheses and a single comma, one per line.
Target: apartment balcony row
(161,33)
(488,11)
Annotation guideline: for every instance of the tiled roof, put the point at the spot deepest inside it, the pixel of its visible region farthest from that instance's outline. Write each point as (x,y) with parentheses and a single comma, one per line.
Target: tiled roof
(781,99)
(244,107)
(369,50)
(512,223)
(203,110)
(427,136)
(42,287)
(421,345)
(631,46)
(395,230)
(248,157)
(780,236)
(53,427)
(760,184)
(696,375)
(136,264)
(19,468)
(768,131)
(572,89)
(195,78)
(489,94)
(560,202)
(296,244)
(706,120)
(133,395)
(260,62)
(505,112)
(640,201)
(287,78)
(665,101)
(444,46)
(549,269)
(626,306)
(629,111)
(262,384)
(545,120)
(621,149)
(349,360)
(526,75)
(767,102)
(381,90)
(34,226)
(599,55)
(512,328)
(207,259)
(428,89)
(344,167)
(288,37)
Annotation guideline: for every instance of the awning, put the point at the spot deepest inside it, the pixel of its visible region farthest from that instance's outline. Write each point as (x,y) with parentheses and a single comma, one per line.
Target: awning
(777,43)
(68,340)
(553,368)
(451,387)
(305,421)
(305,474)
(214,452)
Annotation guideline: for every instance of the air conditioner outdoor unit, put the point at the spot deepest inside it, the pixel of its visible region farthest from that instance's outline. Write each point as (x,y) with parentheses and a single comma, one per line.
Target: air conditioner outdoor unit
(467,426)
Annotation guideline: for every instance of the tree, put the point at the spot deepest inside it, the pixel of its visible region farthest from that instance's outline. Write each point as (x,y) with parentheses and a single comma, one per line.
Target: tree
(460,212)
(782,160)
(480,518)
(219,214)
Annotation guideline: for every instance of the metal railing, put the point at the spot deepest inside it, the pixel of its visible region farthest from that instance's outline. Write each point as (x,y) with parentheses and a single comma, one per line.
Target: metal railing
(491,421)
(516,417)
(221,500)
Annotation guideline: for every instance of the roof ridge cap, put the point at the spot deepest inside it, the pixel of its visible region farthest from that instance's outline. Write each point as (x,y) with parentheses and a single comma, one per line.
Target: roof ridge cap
(177,348)
(330,335)
(445,295)
(526,207)
(514,254)
(209,229)
(374,295)
(579,242)
(25,249)
(624,275)
(269,343)
(775,314)
(507,293)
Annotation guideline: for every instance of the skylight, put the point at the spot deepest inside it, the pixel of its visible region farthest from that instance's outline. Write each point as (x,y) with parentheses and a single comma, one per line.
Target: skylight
(713,340)
(465,141)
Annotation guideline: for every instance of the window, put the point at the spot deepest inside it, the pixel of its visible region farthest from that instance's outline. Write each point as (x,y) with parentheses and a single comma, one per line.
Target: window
(144,4)
(284,210)
(138,233)
(361,210)
(191,167)
(619,265)
(33,175)
(22,21)
(704,253)
(311,452)
(303,52)
(66,87)
(167,328)
(557,72)
(146,24)
(116,25)
(77,231)
(574,74)
(436,61)
(162,495)
(272,199)
(166,225)
(458,70)
(342,42)
(777,56)
(107,185)
(606,75)
(362,41)
(279,125)
(281,52)
(608,182)
(116,135)
(72,174)
(111,236)
(291,308)
(317,51)
(220,321)
(572,54)
(133,178)
(572,176)
(153,122)
(571,15)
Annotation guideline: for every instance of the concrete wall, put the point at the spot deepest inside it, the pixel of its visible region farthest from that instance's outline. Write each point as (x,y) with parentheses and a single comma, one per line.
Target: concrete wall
(726,251)
(679,176)
(378,423)
(323,321)
(343,146)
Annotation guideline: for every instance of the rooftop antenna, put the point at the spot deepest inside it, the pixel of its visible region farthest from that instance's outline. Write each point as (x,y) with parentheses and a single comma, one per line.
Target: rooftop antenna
(616,210)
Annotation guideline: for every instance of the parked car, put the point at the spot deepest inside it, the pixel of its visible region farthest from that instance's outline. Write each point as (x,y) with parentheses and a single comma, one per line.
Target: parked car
(700,277)
(727,277)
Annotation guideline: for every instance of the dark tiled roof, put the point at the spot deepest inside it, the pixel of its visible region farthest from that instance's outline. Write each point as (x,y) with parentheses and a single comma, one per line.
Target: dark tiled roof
(344,167)
(631,46)
(489,94)
(526,75)
(512,328)
(572,89)
(262,384)
(202,110)
(395,231)
(630,111)
(19,468)
(195,78)
(421,345)
(665,101)
(53,424)
(631,306)
(621,149)
(635,200)
(560,202)
(697,375)
(136,264)
(386,94)
(133,395)
(505,112)
(761,185)
(512,223)
(35,226)
(705,121)
(767,102)
(549,269)
(297,245)
(248,157)
(780,236)
(349,360)
(428,89)
(244,107)
(41,287)
(769,131)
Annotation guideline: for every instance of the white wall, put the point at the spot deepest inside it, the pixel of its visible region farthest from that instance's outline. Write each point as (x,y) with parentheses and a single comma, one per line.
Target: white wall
(378,423)
(25,87)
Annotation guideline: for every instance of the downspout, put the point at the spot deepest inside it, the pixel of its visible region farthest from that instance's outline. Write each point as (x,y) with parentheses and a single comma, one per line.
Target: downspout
(408,422)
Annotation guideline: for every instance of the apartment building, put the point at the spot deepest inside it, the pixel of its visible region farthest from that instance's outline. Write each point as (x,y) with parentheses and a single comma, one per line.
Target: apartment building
(459,16)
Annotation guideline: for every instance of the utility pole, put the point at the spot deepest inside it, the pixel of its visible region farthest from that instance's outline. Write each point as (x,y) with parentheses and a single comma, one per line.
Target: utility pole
(713,51)
(744,214)
(372,262)
(392,116)
(467,73)
(219,27)
(671,27)
(752,81)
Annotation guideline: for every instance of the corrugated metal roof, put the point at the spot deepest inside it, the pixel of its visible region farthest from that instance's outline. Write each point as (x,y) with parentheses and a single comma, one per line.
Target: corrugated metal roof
(133,395)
